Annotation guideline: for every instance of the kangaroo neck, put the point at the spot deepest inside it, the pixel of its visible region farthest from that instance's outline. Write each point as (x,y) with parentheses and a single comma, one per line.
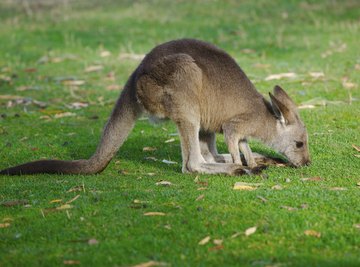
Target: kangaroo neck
(267,124)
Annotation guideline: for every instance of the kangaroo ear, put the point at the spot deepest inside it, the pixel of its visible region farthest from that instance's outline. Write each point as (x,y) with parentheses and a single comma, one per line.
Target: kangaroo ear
(284,98)
(282,112)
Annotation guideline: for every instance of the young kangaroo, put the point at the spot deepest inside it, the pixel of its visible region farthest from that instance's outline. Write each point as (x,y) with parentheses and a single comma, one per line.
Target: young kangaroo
(202,89)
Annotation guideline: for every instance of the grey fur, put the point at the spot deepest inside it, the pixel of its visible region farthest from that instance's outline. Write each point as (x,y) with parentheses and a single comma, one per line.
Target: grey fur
(202,89)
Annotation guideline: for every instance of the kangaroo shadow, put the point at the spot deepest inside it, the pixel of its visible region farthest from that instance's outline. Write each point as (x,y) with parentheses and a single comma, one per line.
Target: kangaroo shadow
(132,150)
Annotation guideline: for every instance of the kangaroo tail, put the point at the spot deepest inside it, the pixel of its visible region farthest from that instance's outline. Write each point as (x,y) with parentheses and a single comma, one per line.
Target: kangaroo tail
(116,130)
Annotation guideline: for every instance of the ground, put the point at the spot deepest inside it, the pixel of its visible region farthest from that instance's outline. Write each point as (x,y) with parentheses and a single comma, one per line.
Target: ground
(62,66)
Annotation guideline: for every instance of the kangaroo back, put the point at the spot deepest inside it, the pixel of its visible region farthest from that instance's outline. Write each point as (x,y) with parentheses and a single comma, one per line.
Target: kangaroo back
(116,130)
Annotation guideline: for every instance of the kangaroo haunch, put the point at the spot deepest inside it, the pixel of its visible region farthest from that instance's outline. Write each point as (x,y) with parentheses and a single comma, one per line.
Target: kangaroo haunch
(203,90)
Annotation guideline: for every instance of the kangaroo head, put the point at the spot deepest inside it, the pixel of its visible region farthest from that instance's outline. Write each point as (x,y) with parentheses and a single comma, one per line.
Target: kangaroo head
(291,138)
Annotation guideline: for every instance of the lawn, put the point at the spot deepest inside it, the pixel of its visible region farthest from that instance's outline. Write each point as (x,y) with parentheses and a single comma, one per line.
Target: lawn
(62,66)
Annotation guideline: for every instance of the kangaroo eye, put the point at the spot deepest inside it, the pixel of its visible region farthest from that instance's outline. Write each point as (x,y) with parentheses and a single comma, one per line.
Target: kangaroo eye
(299,144)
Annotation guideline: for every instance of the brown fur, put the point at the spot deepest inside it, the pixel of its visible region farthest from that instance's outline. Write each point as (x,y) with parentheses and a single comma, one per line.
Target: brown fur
(203,90)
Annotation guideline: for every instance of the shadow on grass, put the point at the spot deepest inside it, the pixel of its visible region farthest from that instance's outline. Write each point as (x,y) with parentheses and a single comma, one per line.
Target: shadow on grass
(132,151)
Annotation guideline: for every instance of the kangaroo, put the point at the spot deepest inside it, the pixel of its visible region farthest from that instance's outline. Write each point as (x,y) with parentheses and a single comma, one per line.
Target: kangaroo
(203,91)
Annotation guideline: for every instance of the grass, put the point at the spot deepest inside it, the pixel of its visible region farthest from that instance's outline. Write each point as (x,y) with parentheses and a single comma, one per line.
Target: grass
(265,37)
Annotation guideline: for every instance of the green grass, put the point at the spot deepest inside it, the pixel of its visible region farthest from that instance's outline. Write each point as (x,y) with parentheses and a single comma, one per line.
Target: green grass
(284,36)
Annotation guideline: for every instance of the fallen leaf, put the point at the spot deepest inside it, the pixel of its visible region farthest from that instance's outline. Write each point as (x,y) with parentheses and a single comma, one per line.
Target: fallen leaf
(151,158)
(358,184)
(40,104)
(200,197)
(151,264)
(262,198)
(317,75)
(151,174)
(218,241)
(46,59)
(318,101)
(203,183)
(76,188)
(94,68)
(250,184)
(312,233)
(6,69)
(280,76)
(78,105)
(154,213)
(30,70)
(9,97)
(24,88)
(55,201)
(73,199)
(202,188)
(168,161)
(18,202)
(306,106)
(105,53)
(247,51)
(356,147)
(137,201)
(64,207)
(164,183)
(288,208)
(218,247)
(357,225)
(139,204)
(244,187)
(64,114)
(316,178)
(5,78)
(277,187)
(51,111)
(235,235)
(25,102)
(131,56)
(111,76)
(358,155)
(204,241)
(349,85)
(149,148)
(170,140)
(57,59)
(4,225)
(73,82)
(123,172)
(261,66)
(92,241)
(338,48)
(304,206)
(114,87)
(338,188)
(71,262)
(250,231)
